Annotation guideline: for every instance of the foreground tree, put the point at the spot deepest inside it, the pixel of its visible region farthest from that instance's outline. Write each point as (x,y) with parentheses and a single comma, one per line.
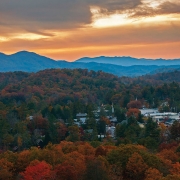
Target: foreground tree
(96,171)
(37,170)
(136,167)
(6,169)
(153,174)
(65,171)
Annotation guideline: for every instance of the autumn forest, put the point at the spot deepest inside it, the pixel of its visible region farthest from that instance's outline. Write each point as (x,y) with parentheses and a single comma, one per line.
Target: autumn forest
(39,138)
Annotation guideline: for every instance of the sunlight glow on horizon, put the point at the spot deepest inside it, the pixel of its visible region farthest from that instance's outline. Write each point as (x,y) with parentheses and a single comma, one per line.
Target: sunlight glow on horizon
(149,51)
(112,20)
(133,50)
(30,36)
(3,39)
(26,36)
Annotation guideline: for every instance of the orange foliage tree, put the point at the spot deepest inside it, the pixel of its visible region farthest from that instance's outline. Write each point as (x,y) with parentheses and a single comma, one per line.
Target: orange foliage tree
(153,174)
(136,166)
(134,104)
(6,169)
(133,112)
(168,154)
(76,160)
(23,161)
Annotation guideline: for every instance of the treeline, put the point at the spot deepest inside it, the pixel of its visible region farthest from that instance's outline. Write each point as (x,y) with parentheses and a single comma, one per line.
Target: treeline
(54,97)
(97,161)
(63,86)
(17,135)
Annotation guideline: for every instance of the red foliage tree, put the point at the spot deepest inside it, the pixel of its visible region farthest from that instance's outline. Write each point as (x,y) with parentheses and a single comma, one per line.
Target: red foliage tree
(37,171)
(175,169)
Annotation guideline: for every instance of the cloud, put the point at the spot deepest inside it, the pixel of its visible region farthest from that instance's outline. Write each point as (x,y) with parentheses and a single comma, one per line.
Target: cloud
(97,38)
(169,7)
(112,6)
(156,8)
(44,14)
(40,14)
(65,27)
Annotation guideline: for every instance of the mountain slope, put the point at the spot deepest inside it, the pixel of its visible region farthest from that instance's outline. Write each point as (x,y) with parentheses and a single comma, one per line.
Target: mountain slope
(61,86)
(32,62)
(25,61)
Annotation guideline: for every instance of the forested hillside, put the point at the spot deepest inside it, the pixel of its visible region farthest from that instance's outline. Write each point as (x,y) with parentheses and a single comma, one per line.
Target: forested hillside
(63,86)
(38,109)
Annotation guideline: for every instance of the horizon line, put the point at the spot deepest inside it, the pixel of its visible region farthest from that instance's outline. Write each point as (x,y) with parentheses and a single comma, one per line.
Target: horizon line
(124,56)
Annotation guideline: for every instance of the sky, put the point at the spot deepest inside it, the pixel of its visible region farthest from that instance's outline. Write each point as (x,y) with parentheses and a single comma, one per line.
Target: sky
(71,29)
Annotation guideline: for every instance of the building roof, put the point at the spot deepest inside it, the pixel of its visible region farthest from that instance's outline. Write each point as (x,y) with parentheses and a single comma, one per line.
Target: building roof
(81,115)
(148,111)
(83,119)
(89,130)
(124,122)
(114,119)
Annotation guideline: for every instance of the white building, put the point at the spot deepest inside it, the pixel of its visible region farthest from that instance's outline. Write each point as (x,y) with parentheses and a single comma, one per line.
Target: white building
(166,116)
(110,130)
(146,111)
(81,115)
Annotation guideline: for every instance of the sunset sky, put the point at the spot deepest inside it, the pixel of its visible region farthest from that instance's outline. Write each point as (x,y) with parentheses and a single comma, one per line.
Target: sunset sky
(70,29)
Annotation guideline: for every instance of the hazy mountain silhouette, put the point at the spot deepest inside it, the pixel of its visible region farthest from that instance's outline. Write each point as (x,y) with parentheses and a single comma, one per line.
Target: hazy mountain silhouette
(32,62)
(130,61)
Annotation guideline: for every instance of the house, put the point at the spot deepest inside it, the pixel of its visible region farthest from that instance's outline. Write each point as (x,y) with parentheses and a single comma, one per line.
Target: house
(77,123)
(113,120)
(82,120)
(98,110)
(110,130)
(81,115)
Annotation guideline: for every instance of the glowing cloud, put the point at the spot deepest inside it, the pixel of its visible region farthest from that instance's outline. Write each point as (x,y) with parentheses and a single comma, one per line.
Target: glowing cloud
(29,36)
(101,18)
(72,29)
(3,39)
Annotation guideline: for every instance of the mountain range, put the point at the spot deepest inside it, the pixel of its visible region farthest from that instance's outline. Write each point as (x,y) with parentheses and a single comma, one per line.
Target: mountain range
(130,61)
(120,66)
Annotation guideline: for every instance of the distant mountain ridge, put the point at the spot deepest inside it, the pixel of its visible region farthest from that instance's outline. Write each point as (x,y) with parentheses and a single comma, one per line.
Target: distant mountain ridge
(130,61)
(120,66)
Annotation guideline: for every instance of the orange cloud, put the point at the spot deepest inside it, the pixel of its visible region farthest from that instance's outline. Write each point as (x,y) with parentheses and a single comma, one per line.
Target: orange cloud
(72,29)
